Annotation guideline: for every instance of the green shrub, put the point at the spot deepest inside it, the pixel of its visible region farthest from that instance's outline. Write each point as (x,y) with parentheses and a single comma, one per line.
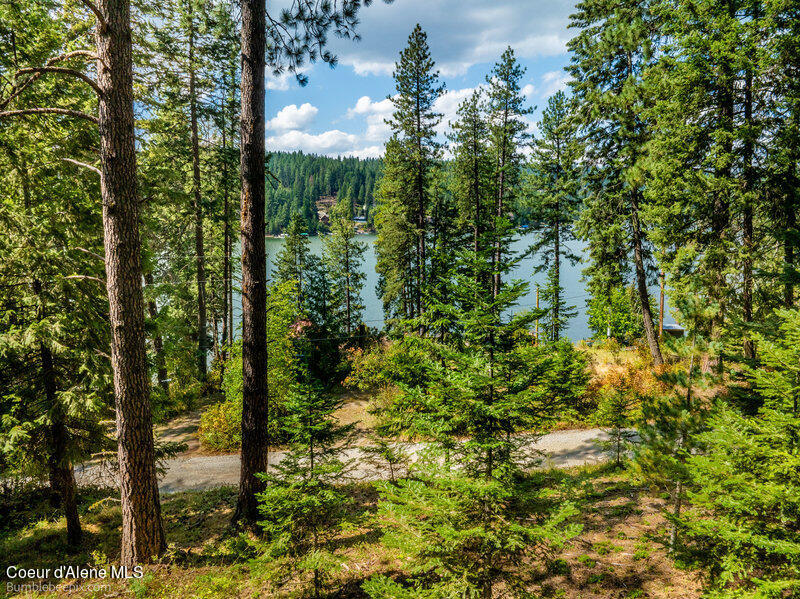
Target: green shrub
(221,426)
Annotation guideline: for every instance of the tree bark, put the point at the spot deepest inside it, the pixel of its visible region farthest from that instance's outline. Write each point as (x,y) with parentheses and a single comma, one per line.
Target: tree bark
(142,529)
(200,256)
(255,411)
(641,283)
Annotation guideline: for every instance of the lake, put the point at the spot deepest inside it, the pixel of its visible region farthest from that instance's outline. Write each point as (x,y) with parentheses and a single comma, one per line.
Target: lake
(575,288)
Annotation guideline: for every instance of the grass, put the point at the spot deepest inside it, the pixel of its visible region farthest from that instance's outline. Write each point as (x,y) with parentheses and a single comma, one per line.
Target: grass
(614,555)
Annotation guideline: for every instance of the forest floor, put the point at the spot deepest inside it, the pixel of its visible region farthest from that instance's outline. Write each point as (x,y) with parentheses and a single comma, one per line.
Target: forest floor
(618,553)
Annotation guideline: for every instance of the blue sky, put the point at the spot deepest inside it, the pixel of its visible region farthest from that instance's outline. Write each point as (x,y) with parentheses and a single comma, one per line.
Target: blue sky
(341,111)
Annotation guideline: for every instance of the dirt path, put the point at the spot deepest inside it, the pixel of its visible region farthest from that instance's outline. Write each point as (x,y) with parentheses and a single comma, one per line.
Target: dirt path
(560,449)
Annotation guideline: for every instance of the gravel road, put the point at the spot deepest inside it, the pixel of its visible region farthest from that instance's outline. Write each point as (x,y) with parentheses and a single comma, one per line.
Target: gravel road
(561,449)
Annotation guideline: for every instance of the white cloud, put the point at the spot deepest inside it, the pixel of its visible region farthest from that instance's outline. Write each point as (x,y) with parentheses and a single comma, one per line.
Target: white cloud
(293,117)
(552,82)
(527,90)
(374,115)
(368,152)
(331,143)
(462,33)
(447,105)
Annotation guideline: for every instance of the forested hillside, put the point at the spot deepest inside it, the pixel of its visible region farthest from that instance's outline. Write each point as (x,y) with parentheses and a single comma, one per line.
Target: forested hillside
(302,179)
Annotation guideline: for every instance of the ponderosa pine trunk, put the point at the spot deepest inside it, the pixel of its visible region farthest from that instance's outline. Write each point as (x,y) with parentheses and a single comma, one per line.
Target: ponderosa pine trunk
(641,283)
(255,410)
(200,254)
(142,528)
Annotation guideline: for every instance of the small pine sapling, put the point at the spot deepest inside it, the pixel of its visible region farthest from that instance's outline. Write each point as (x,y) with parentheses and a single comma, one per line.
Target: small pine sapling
(618,411)
(303,504)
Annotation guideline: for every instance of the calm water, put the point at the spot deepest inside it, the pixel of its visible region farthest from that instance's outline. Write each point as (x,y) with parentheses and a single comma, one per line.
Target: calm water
(373,314)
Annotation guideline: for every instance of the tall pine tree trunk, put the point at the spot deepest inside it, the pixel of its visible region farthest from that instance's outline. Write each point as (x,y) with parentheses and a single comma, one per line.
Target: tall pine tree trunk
(255,439)
(142,529)
(200,257)
(641,283)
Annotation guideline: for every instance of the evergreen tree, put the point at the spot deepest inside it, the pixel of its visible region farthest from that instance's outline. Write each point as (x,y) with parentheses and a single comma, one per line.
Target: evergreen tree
(783,65)
(617,411)
(394,247)
(458,517)
(508,133)
(608,57)
(413,124)
(742,523)
(671,424)
(303,504)
(703,171)
(55,378)
(300,33)
(142,527)
(343,258)
(554,183)
(294,259)
(472,168)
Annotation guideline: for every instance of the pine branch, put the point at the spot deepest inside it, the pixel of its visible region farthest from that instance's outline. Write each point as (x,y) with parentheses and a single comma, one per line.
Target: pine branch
(84,165)
(65,71)
(100,20)
(62,111)
(16,90)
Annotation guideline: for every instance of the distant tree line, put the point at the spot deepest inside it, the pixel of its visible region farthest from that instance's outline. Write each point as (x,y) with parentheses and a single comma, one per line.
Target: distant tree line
(302,179)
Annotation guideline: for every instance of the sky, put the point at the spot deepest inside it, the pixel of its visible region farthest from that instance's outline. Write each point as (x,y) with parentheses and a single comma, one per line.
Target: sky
(341,111)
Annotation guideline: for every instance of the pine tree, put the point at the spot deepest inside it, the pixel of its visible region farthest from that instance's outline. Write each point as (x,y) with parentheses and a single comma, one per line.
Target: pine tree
(55,379)
(302,503)
(704,191)
(508,133)
(394,247)
(554,184)
(782,173)
(343,257)
(416,151)
(142,527)
(617,411)
(302,35)
(294,259)
(458,517)
(473,169)
(742,523)
(608,57)
(670,426)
